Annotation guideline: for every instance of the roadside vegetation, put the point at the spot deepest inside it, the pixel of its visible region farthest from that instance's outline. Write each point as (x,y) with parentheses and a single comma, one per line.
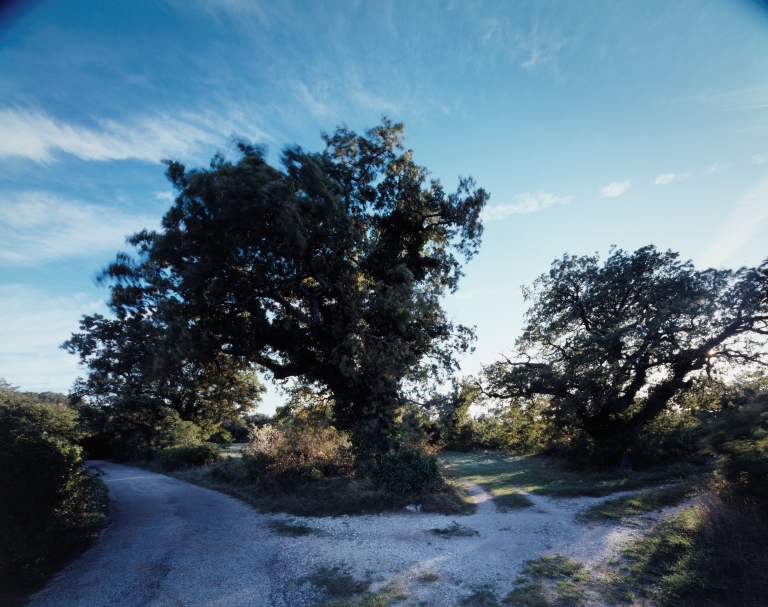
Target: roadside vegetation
(51,508)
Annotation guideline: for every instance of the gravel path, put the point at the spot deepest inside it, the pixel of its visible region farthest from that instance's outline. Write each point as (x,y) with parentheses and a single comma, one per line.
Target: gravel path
(171,544)
(487,549)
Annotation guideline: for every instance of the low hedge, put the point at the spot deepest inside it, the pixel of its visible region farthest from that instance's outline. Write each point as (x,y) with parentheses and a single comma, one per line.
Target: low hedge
(407,471)
(174,458)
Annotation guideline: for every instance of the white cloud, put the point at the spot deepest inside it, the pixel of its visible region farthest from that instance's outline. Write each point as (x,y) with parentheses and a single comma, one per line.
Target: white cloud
(524,203)
(758,159)
(743,224)
(670,177)
(616,189)
(165,196)
(33,324)
(37,136)
(36,227)
(718,167)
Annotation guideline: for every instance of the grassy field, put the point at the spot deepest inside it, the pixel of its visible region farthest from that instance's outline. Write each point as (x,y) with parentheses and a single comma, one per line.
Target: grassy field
(498,472)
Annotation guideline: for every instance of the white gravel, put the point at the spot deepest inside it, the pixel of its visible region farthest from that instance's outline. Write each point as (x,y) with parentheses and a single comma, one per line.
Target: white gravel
(398,549)
(169,543)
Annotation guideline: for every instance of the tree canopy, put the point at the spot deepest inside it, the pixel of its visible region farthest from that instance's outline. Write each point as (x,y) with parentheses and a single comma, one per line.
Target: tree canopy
(329,269)
(612,345)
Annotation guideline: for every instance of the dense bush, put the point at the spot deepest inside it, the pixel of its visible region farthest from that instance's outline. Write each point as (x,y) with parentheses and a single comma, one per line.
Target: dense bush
(294,456)
(50,506)
(738,437)
(407,470)
(174,458)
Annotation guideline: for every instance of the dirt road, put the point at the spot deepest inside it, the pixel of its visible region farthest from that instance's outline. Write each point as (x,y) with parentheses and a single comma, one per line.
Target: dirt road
(171,544)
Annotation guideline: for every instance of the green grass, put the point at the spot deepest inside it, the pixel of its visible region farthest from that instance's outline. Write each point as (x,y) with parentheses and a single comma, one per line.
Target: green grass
(663,565)
(481,596)
(337,584)
(713,554)
(548,476)
(455,530)
(625,507)
(506,498)
(550,581)
(343,590)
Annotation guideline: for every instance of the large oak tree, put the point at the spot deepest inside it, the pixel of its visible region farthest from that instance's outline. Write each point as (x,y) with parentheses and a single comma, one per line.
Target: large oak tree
(613,344)
(329,270)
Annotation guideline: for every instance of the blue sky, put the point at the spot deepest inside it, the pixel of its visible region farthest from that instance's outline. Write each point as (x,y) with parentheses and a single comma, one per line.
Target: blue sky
(591,124)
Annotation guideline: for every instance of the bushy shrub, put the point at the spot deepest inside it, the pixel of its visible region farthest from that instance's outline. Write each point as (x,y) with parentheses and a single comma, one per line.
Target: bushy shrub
(291,456)
(406,471)
(673,436)
(174,458)
(738,437)
(49,503)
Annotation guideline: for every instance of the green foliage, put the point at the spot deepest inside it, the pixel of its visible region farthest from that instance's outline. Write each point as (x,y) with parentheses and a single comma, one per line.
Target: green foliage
(672,436)
(143,381)
(330,270)
(738,437)
(50,506)
(518,427)
(613,345)
(174,458)
(407,471)
(45,414)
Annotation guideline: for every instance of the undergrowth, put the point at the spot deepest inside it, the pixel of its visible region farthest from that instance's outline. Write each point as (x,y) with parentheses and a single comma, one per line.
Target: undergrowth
(713,554)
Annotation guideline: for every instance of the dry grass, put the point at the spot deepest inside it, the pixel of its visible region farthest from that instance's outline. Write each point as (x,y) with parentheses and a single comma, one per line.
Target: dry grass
(713,554)
(455,530)
(324,496)
(622,508)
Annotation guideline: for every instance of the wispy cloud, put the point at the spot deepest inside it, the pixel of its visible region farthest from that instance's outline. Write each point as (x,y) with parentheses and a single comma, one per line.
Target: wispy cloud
(758,159)
(616,189)
(38,227)
(718,167)
(749,98)
(666,178)
(531,36)
(33,323)
(524,203)
(37,136)
(743,224)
